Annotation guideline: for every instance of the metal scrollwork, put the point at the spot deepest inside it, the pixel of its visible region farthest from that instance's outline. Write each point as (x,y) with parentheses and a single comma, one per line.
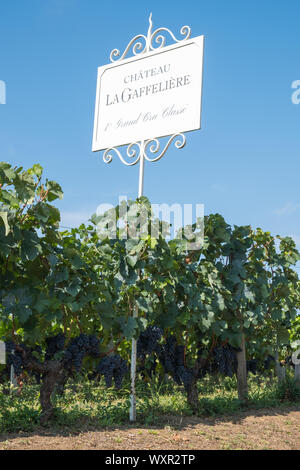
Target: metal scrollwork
(133,151)
(138,48)
(151,42)
(161,40)
(137,149)
(154,146)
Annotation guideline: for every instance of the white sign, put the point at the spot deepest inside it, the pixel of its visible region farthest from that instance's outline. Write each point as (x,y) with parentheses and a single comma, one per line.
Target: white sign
(2,353)
(148,96)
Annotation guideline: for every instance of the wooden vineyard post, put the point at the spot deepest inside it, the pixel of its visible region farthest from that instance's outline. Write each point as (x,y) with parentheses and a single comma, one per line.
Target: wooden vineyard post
(242,372)
(297,375)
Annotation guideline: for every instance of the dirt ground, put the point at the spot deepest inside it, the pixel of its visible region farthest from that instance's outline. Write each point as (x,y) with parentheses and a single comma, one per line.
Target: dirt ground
(255,430)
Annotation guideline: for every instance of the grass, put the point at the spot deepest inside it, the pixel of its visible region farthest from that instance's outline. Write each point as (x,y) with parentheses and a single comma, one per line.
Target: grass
(86,405)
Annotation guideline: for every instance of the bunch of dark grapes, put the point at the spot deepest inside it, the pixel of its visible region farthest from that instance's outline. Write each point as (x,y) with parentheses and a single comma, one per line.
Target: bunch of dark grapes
(83,345)
(167,359)
(252,366)
(171,356)
(94,344)
(14,358)
(268,362)
(112,367)
(179,355)
(226,360)
(34,353)
(220,359)
(185,375)
(54,344)
(148,341)
(147,344)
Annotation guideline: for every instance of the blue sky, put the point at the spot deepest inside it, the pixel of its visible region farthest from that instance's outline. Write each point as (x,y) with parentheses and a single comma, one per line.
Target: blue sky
(244,163)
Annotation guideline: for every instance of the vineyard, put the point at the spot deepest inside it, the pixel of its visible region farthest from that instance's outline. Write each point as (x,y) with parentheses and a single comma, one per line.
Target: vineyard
(225,313)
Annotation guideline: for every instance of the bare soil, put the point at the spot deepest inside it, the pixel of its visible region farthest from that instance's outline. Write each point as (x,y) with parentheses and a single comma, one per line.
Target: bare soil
(249,430)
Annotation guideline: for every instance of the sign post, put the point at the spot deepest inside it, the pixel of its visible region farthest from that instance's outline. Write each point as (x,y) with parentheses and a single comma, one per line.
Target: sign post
(156,93)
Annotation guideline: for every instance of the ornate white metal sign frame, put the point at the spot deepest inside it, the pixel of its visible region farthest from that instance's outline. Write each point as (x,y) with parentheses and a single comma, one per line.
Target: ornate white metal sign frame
(150,149)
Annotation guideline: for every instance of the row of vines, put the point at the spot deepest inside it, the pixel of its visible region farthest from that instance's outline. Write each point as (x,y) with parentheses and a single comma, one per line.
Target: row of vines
(67,298)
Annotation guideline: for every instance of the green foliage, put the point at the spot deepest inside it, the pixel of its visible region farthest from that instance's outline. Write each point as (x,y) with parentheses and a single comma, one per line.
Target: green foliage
(86,405)
(86,280)
(288,390)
